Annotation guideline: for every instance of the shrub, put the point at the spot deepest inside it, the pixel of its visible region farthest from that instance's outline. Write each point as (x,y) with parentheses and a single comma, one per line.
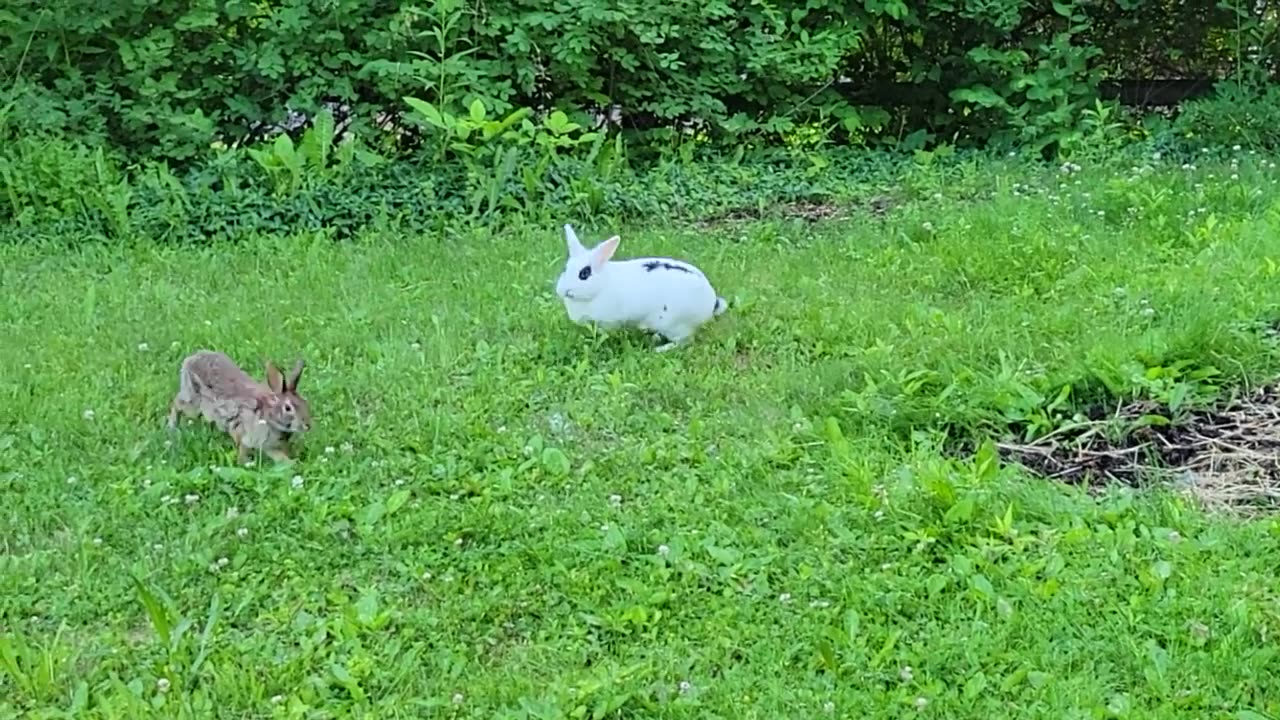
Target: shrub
(168,79)
(1235,115)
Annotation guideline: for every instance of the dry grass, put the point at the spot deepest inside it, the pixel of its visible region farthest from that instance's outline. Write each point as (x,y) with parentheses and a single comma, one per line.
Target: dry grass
(1227,458)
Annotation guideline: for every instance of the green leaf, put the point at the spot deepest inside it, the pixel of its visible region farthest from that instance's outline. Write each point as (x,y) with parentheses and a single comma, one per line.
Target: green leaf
(555,462)
(367,607)
(370,514)
(158,613)
(477,111)
(317,141)
(827,656)
(937,583)
(285,151)
(428,112)
(835,438)
(983,585)
(724,556)
(981,95)
(987,460)
(962,511)
(397,500)
(614,540)
(206,636)
(9,658)
(79,699)
(852,625)
(975,686)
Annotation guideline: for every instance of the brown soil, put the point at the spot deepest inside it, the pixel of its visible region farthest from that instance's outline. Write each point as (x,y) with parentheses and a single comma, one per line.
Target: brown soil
(1227,458)
(877,207)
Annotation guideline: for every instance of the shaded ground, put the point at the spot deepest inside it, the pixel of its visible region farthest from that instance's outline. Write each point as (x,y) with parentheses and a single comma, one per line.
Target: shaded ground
(1228,457)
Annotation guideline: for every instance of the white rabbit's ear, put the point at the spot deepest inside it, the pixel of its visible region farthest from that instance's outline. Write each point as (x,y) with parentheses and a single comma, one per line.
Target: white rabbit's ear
(571,239)
(605,250)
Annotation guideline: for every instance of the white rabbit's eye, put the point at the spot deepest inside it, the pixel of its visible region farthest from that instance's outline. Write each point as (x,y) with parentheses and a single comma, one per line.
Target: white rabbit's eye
(584,273)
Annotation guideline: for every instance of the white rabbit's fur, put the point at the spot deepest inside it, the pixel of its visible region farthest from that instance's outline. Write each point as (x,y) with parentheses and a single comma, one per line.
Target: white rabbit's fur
(661,295)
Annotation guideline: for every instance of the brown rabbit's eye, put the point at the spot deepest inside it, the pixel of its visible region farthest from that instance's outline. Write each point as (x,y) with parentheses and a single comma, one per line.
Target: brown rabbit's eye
(584,273)
(288,408)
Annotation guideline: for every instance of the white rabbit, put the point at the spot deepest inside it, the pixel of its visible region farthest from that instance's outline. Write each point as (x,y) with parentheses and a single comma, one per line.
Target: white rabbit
(661,295)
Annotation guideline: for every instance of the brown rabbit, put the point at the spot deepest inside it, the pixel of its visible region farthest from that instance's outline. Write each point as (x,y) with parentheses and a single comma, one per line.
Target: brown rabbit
(257,416)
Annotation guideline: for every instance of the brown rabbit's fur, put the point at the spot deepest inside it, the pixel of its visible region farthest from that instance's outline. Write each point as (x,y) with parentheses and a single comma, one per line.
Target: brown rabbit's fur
(256,416)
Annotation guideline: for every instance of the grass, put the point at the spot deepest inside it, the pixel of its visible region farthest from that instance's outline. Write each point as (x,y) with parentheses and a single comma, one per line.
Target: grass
(501,515)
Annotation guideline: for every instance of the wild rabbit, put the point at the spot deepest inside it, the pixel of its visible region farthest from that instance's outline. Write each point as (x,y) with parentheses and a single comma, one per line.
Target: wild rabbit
(256,416)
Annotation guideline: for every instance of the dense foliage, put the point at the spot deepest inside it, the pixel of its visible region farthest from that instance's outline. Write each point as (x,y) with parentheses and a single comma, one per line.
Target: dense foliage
(163,119)
(167,78)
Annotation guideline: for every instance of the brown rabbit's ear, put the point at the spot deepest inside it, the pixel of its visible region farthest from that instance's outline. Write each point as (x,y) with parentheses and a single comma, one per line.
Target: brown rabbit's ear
(291,382)
(274,379)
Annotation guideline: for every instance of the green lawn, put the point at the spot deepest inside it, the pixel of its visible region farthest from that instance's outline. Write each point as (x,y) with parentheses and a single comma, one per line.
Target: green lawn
(500,514)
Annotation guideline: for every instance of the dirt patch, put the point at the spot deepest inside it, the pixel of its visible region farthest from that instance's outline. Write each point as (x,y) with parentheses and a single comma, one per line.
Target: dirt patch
(811,211)
(1227,458)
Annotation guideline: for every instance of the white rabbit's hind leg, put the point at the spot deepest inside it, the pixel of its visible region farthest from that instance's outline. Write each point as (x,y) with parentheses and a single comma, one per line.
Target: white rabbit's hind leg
(675,337)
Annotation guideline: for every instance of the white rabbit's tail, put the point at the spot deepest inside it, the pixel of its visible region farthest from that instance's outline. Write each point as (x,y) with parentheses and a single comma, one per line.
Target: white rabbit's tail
(721,306)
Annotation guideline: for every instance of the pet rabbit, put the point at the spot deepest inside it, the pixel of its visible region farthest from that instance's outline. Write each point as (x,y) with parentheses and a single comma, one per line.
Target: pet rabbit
(661,295)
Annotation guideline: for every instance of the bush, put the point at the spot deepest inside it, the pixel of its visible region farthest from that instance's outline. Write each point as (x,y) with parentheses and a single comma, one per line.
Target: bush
(55,186)
(167,79)
(1235,115)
